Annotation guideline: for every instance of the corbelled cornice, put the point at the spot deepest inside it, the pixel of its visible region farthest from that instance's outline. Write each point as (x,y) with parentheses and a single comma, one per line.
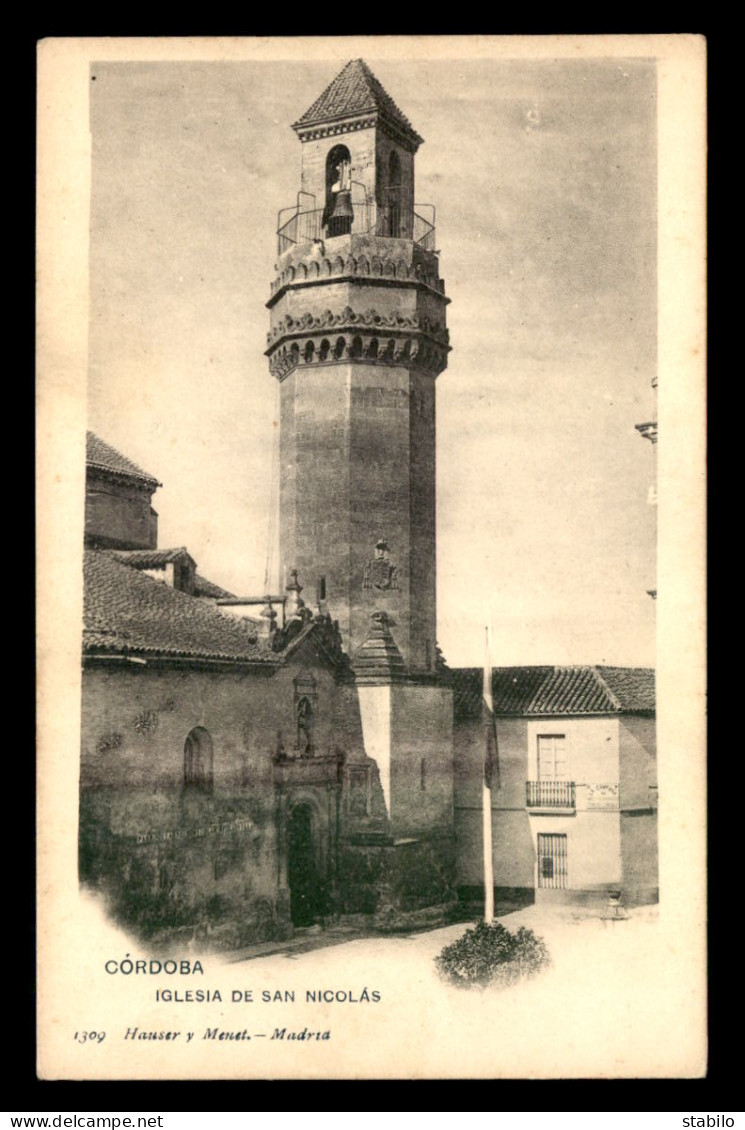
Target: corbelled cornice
(350,125)
(316,266)
(394,338)
(348,319)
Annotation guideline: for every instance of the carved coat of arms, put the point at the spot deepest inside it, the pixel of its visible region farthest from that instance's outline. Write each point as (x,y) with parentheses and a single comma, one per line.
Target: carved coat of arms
(380,572)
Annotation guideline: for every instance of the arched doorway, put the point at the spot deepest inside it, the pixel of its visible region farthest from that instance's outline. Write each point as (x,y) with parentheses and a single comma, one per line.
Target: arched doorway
(303,870)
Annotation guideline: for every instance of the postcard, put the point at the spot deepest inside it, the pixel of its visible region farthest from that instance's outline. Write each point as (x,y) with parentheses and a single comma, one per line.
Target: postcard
(371,660)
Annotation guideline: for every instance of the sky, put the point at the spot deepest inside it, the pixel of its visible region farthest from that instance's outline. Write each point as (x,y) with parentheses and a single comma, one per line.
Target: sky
(543,173)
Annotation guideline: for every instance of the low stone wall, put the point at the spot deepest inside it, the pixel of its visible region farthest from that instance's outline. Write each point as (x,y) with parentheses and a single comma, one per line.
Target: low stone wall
(393,881)
(192,870)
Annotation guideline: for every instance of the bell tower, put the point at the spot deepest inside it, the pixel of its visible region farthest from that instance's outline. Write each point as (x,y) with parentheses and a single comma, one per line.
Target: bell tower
(357,340)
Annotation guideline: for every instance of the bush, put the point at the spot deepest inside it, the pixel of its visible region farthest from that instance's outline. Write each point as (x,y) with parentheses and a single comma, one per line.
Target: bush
(491,955)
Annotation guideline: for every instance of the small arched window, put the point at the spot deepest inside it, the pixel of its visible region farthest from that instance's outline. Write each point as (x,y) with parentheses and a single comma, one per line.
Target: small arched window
(198,759)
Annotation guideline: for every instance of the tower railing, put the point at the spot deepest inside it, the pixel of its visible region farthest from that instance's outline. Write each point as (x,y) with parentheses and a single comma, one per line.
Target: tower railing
(391,220)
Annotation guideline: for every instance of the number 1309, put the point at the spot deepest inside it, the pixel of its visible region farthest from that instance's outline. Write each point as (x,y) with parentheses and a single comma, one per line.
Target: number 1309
(90,1037)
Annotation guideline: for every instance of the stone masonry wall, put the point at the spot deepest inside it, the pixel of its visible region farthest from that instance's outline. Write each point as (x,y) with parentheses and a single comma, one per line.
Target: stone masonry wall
(118,515)
(182,864)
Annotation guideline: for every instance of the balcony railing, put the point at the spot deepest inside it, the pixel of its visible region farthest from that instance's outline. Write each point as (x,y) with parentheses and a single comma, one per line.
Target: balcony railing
(550,794)
(391,221)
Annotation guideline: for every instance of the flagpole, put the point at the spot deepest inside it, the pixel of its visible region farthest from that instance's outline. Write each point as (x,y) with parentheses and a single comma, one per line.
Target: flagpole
(486,801)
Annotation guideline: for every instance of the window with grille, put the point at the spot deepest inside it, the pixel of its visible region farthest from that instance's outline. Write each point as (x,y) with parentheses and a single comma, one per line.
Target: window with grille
(552,861)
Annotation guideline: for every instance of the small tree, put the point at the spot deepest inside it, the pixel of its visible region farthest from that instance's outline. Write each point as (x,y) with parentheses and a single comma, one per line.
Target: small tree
(491,955)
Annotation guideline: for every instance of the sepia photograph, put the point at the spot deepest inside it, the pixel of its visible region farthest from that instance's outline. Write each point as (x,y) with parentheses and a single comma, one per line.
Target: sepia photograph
(371,662)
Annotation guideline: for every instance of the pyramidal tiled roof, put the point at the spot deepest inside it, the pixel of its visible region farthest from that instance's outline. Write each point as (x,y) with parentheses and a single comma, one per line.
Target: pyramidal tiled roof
(378,660)
(354,91)
(557,690)
(103,457)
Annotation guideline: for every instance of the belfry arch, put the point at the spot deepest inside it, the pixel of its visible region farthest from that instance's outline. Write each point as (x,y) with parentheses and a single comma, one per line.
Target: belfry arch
(338,213)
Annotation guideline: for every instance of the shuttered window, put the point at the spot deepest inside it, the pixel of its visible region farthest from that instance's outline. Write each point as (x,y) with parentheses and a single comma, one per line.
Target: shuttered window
(552,758)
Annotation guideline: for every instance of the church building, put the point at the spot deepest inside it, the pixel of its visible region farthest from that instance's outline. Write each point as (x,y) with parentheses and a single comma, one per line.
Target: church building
(252,765)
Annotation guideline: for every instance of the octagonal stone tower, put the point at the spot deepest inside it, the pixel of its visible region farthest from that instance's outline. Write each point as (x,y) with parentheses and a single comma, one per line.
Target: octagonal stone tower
(357,339)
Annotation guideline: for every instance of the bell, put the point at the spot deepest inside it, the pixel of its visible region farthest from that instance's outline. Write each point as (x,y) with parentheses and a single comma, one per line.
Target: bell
(341,214)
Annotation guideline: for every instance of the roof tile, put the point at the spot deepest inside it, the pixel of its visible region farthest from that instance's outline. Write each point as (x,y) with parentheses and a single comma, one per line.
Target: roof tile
(634,687)
(542,691)
(355,90)
(150,558)
(103,457)
(127,611)
(203,587)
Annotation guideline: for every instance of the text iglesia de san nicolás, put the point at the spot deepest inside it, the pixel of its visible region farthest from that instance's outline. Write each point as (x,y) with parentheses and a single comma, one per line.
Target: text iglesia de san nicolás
(252,766)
